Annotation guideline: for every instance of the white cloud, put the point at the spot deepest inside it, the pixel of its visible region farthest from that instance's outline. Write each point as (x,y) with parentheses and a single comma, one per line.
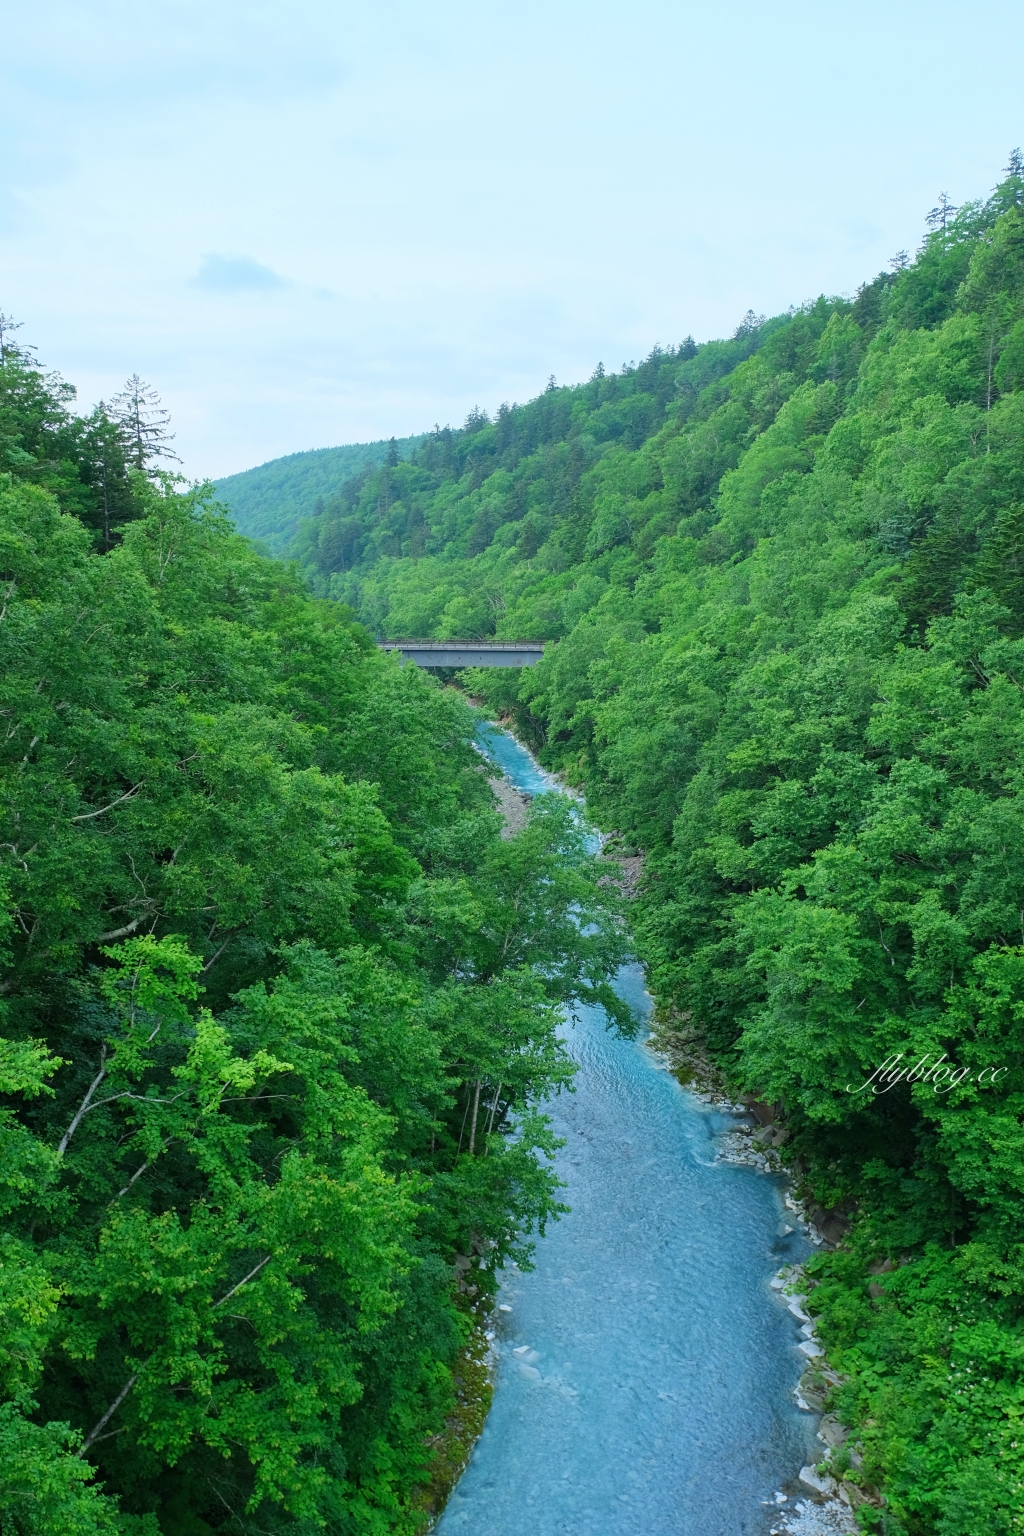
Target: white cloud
(409,209)
(232,274)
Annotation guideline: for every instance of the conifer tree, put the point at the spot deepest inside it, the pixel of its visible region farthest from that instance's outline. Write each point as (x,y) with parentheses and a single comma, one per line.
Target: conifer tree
(8,325)
(143,422)
(941,214)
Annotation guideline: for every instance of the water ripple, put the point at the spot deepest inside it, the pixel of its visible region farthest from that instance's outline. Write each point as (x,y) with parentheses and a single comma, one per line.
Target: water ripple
(645,1368)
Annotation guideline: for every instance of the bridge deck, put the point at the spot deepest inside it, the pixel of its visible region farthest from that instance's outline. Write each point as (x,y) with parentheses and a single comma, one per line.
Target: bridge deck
(468,653)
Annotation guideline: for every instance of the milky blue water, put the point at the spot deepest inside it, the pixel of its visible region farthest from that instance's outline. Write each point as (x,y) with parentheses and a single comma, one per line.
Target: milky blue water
(646,1369)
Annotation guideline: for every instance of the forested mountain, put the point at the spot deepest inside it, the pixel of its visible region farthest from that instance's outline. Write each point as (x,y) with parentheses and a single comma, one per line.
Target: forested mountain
(276,1001)
(268,502)
(273,1015)
(785,573)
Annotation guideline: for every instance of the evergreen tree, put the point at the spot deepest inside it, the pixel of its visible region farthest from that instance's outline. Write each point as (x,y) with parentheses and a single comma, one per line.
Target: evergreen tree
(277,1008)
(8,347)
(784,574)
(144,423)
(941,214)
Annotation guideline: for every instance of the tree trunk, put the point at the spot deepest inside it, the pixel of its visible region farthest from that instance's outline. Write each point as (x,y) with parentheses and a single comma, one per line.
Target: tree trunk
(476,1111)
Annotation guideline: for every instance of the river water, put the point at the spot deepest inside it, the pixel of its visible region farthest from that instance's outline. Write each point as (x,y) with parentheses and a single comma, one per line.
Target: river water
(645,1368)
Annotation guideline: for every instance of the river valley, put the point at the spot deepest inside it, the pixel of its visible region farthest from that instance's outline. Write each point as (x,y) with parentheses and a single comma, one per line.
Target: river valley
(645,1368)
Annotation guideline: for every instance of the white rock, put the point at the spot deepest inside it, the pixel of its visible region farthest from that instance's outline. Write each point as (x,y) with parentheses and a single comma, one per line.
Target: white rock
(810,1349)
(813,1479)
(504,1308)
(831,1519)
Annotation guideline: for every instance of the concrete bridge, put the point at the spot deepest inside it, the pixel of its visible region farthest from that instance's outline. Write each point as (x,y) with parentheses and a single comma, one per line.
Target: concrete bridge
(468,653)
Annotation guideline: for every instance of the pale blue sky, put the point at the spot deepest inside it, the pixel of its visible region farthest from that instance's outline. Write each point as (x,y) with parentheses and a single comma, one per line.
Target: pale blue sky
(314,223)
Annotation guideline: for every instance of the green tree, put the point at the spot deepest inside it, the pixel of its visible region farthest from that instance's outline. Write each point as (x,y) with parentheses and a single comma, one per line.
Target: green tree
(143,423)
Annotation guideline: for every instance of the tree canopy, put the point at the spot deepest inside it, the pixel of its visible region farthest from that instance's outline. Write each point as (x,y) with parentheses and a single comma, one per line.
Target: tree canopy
(785,573)
(277,1007)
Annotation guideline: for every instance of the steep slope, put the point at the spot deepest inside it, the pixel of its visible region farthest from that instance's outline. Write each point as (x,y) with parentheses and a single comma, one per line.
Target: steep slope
(272,1024)
(267,502)
(786,575)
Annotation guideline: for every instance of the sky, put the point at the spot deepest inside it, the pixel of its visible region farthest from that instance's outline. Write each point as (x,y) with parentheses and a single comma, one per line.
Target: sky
(317,222)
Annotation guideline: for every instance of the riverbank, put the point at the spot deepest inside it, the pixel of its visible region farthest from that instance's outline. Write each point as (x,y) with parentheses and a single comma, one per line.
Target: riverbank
(753,1142)
(828,1505)
(473,1390)
(641,1364)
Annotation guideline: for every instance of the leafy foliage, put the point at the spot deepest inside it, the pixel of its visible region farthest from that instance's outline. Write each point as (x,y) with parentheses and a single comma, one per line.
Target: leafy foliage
(267,502)
(784,575)
(278,1004)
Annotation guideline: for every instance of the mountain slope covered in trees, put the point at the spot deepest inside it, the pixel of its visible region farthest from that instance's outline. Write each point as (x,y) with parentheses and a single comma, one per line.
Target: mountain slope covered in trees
(276,1003)
(268,502)
(785,574)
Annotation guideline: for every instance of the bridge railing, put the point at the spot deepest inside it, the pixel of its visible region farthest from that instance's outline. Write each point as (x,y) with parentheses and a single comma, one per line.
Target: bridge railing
(468,653)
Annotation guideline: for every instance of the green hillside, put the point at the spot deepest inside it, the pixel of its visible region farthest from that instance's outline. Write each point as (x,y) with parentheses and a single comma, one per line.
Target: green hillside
(786,576)
(277,1006)
(268,501)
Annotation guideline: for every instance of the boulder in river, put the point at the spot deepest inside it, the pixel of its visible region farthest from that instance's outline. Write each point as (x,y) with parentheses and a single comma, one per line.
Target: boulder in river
(813,1388)
(821,1483)
(832,1432)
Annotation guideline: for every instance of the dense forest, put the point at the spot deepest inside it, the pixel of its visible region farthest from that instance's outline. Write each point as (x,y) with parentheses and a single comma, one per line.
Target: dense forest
(277,1002)
(785,574)
(277,997)
(269,501)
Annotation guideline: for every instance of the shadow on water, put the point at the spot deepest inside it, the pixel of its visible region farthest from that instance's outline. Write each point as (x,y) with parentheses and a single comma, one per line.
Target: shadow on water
(645,1369)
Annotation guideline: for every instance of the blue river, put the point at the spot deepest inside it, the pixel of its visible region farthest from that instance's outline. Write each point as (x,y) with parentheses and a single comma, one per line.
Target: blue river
(645,1369)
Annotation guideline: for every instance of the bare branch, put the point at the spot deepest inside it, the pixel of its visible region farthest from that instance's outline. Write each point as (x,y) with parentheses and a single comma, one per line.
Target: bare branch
(88,815)
(111,1434)
(101,1424)
(220,951)
(494,1106)
(114,1098)
(83,1107)
(139,1172)
(120,933)
(242,1282)
(97,1430)
(256,1098)
(476,1110)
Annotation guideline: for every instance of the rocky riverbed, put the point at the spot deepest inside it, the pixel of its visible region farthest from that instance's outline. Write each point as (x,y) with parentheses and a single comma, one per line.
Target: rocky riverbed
(755,1141)
(624,1286)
